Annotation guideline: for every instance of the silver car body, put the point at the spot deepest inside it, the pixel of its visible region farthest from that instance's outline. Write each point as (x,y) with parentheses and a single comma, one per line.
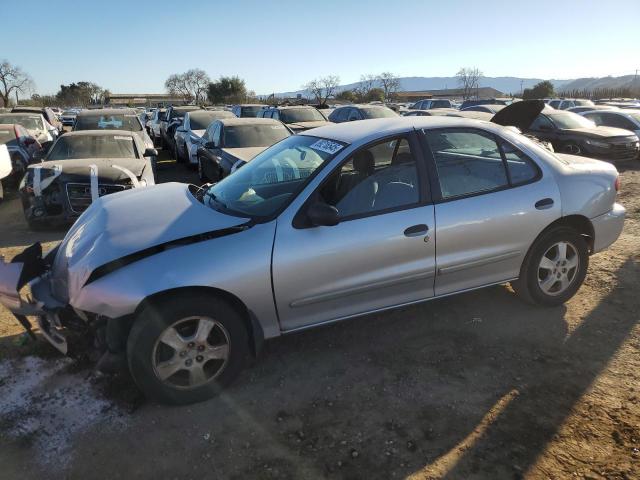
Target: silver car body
(290,279)
(35,124)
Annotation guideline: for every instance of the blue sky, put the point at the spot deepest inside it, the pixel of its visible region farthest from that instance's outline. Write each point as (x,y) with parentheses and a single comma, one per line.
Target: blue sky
(133,46)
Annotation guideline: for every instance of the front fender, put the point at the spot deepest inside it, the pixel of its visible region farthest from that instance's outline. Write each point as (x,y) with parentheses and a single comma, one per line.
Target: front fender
(239,264)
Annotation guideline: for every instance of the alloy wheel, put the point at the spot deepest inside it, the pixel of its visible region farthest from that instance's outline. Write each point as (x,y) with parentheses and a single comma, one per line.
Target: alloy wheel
(191,352)
(558,268)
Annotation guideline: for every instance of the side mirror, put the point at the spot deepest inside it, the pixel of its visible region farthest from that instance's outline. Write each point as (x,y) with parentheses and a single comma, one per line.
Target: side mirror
(323,214)
(150,152)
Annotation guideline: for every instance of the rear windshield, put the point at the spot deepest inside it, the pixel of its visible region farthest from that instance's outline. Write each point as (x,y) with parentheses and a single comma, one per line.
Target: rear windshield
(202,120)
(250,111)
(301,115)
(244,136)
(6,136)
(28,121)
(127,122)
(380,112)
(88,146)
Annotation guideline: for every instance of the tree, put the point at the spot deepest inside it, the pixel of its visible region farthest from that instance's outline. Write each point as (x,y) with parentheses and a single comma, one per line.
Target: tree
(323,88)
(390,84)
(227,90)
(346,96)
(81,94)
(375,95)
(366,84)
(12,80)
(469,80)
(191,84)
(542,89)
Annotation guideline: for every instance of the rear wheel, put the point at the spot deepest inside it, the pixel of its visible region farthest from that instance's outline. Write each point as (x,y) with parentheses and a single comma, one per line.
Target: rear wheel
(187,349)
(554,268)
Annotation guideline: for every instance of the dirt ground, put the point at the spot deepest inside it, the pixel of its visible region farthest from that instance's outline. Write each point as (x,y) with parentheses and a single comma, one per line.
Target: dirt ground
(476,386)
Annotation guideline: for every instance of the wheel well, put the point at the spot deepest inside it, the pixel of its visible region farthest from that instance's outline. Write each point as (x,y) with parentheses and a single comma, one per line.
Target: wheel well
(579,223)
(254,329)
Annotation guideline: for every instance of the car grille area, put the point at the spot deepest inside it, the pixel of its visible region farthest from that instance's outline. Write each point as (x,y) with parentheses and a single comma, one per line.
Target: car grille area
(79,194)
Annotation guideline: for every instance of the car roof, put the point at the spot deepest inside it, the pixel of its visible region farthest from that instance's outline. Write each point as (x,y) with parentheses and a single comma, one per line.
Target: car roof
(350,132)
(107,111)
(248,121)
(290,107)
(97,133)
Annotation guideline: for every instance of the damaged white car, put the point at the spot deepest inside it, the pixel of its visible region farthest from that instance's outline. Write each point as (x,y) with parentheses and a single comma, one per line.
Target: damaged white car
(333,223)
(80,168)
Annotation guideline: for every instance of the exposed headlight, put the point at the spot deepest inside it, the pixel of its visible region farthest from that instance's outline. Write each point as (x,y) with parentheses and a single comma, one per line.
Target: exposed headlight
(596,143)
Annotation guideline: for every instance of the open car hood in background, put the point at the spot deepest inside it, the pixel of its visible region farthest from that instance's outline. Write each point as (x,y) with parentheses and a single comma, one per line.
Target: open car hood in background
(519,114)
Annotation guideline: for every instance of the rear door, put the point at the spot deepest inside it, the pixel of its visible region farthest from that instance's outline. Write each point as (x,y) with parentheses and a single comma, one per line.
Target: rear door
(492,201)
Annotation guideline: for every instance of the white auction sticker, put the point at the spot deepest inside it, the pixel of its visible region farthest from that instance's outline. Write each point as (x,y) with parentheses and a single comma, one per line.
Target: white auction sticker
(327,146)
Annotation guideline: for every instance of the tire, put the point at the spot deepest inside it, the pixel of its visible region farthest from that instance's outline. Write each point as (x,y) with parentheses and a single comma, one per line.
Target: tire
(146,351)
(551,282)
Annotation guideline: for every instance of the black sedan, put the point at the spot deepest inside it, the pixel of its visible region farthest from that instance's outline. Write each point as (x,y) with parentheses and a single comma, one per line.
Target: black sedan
(572,133)
(229,143)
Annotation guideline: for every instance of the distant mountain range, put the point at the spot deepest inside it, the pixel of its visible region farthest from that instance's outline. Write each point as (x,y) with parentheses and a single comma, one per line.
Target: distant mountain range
(504,84)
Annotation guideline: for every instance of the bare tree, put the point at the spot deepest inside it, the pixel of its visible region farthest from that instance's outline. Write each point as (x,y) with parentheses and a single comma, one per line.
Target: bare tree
(12,79)
(366,84)
(323,88)
(469,80)
(390,84)
(192,84)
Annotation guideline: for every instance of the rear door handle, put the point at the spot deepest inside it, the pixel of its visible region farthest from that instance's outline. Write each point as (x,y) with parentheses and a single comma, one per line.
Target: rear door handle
(416,230)
(544,204)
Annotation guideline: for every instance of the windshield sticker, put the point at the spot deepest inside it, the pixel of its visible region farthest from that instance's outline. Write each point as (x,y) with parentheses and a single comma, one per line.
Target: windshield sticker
(120,137)
(327,146)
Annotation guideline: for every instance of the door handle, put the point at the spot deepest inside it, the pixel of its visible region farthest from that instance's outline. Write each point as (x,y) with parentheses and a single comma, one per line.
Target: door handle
(416,230)
(544,204)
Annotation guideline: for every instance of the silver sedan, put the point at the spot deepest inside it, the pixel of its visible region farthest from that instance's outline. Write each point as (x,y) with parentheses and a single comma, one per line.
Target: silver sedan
(334,223)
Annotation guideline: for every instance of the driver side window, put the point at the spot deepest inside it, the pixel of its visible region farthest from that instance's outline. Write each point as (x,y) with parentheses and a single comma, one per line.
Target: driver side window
(381,177)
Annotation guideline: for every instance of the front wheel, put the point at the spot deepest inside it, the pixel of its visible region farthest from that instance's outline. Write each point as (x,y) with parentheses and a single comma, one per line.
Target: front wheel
(554,269)
(186,350)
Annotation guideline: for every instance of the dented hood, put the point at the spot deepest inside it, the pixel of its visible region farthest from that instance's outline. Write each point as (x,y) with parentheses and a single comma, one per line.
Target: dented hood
(129,222)
(106,171)
(519,114)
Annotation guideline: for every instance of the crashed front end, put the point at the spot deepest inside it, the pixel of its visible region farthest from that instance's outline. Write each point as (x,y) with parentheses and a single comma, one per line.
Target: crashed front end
(57,194)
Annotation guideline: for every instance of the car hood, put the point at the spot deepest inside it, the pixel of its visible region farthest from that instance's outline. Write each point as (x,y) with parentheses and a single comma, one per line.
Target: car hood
(129,222)
(106,169)
(601,132)
(307,125)
(519,114)
(244,154)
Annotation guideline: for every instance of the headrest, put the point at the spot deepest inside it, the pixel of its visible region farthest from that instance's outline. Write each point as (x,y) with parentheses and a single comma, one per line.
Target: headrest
(363,162)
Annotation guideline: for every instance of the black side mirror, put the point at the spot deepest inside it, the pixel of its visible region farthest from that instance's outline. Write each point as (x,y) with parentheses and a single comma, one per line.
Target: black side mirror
(150,152)
(323,214)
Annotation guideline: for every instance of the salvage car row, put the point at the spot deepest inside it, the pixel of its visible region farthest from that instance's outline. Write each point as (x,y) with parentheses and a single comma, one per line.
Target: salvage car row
(356,216)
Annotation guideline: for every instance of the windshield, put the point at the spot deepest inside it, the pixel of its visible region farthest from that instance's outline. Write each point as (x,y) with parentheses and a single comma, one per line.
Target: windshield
(570,120)
(260,135)
(583,103)
(250,111)
(269,181)
(70,147)
(203,120)
(6,136)
(635,116)
(380,112)
(30,122)
(301,115)
(127,122)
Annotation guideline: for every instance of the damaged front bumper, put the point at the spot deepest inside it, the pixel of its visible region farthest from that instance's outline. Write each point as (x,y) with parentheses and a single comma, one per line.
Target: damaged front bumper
(28,268)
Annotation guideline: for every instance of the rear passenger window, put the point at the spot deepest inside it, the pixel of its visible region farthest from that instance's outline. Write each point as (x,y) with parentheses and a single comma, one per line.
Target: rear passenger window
(521,168)
(467,162)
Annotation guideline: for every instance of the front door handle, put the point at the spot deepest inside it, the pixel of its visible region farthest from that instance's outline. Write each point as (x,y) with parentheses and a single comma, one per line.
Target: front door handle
(416,230)
(544,203)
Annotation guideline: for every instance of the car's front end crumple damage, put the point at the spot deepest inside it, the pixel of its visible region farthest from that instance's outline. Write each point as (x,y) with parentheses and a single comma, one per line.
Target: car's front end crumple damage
(115,256)
(56,193)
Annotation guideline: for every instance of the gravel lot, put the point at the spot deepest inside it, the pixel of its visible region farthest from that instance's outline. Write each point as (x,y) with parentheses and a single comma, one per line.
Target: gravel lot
(474,386)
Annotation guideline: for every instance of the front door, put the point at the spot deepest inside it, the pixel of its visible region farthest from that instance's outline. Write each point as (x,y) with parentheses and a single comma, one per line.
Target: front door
(381,254)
